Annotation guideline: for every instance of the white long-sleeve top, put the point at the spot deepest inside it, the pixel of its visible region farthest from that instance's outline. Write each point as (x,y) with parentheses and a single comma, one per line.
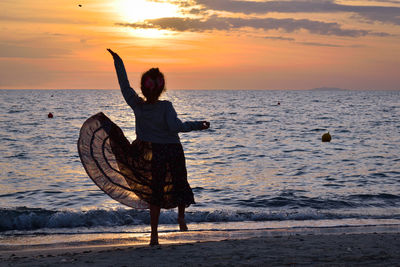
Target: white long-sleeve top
(156,123)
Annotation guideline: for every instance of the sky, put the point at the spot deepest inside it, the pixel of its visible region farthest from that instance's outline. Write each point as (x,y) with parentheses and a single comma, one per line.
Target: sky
(201,44)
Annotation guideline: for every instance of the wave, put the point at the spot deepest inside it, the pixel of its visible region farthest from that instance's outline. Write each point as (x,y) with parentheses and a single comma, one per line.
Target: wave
(292,200)
(24,219)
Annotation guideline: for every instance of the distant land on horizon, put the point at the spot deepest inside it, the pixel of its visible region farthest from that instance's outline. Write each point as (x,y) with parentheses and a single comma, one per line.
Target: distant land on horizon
(329,89)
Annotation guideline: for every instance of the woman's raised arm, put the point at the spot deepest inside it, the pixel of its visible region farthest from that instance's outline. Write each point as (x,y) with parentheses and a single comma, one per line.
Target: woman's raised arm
(131,97)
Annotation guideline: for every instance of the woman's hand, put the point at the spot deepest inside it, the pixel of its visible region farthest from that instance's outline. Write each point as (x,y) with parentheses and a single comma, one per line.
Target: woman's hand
(115,55)
(205,125)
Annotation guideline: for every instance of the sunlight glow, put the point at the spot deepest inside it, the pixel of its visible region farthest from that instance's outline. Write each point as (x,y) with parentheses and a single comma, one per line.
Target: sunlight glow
(150,33)
(139,10)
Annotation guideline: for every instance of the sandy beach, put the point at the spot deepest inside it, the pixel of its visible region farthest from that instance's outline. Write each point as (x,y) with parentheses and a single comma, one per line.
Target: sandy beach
(300,249)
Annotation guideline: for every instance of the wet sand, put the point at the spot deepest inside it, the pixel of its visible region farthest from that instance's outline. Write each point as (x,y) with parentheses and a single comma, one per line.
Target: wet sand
(299,249)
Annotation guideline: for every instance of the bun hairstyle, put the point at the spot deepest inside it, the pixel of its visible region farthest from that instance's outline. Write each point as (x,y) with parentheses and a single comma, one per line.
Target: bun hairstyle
(152,85)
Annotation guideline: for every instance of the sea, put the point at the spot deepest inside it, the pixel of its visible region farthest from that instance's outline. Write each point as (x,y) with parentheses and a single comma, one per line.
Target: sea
(261,165)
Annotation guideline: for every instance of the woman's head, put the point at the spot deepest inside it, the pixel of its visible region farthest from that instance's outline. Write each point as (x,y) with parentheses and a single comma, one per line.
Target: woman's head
(152,84)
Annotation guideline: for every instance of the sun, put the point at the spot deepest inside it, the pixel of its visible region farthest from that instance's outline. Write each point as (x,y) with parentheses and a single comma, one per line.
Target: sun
(139,10)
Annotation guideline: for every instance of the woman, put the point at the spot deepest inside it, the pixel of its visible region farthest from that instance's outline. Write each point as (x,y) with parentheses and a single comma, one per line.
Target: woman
(150,172)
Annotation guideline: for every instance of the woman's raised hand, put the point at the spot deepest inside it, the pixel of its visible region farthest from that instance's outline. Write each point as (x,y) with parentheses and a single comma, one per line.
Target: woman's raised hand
(115,55)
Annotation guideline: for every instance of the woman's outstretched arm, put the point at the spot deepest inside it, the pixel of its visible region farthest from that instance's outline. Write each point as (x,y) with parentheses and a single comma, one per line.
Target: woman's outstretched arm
(177,126)
(131,97)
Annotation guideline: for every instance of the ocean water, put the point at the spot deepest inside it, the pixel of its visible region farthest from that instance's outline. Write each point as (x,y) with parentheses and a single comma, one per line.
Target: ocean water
(260,165)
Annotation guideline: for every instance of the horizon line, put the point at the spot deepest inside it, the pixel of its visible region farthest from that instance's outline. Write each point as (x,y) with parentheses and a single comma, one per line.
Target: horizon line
(322,89)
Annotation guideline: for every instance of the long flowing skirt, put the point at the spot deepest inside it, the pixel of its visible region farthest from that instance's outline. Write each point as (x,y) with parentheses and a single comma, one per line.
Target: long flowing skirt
(136,174)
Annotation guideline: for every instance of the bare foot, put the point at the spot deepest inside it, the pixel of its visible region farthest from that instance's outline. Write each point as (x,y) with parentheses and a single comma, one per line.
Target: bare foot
(182,225)
(153,243)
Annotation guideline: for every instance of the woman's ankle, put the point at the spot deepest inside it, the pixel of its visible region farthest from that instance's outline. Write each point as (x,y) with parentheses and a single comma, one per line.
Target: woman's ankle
(182,224)
(154,239)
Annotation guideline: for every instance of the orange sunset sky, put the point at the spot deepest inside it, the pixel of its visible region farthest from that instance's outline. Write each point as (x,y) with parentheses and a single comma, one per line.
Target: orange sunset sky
(201,44)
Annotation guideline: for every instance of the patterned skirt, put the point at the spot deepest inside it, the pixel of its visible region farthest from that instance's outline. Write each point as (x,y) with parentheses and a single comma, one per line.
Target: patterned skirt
(136,174)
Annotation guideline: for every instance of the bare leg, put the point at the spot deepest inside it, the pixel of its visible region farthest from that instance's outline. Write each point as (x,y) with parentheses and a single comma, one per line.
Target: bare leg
(154,215)
(181,218)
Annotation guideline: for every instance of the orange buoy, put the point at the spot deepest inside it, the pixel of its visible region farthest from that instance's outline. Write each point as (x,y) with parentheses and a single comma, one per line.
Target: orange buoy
(50,115)
(326,137)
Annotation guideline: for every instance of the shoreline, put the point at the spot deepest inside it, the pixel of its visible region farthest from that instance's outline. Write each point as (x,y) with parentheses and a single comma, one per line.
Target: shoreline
(169,234)
(362,245)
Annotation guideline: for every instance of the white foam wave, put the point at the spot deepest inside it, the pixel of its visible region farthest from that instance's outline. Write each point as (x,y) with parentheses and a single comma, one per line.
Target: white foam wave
(32,219)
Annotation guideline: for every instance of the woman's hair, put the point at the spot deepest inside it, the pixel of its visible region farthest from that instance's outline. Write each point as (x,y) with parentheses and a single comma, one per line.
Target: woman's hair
(152,85)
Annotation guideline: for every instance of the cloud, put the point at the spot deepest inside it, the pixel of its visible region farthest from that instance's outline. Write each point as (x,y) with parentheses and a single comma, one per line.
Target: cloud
(204,22)
(182,24)
(15,51)
(291,25)
(385,1)
(279,38)
(319,44)
(386,14)
(50,20)
(221,23)
(293,40)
